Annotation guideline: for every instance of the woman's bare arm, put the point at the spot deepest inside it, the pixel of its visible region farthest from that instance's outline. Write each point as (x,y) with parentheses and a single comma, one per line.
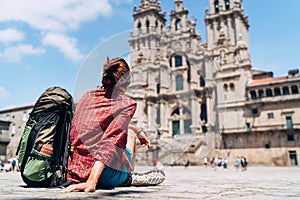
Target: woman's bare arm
(90,185)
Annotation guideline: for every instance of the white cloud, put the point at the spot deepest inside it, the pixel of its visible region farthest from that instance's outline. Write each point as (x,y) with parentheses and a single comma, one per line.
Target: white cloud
(3,93)
(15,53)
(11,35)
(49,17)
(58,15)
(66,45)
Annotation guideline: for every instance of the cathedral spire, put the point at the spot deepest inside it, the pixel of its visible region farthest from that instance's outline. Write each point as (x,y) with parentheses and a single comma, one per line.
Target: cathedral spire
(228,16)
(149,25)
(150,4)
(178,5)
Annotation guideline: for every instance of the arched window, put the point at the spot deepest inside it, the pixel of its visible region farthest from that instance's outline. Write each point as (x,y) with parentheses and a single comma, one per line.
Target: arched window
(178,61)
(277,92)
(179,82)
(202,81)
(156,24)
(176,112)
(177,24)
(217,6)
(269,92)
(139,26)
(148,26)
(203,114)
(261,94)
(231,87)
(227,4)
(253,94)
(225,87)
(285,91)
(295,89)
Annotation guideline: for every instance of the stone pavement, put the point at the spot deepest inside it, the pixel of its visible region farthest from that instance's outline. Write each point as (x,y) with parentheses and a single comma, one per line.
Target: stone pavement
(181,183)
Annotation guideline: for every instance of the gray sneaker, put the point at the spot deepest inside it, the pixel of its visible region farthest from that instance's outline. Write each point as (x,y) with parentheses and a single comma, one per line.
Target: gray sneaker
(150,178)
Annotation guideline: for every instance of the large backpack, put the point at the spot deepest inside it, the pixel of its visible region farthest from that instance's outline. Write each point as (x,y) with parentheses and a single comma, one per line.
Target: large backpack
(44,145)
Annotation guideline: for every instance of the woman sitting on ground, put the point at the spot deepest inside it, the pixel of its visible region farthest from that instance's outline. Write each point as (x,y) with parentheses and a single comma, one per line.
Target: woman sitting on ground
(102,150)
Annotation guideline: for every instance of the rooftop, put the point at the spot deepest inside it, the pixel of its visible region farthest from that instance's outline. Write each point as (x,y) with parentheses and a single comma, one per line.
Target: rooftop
(267,80)
(17,108)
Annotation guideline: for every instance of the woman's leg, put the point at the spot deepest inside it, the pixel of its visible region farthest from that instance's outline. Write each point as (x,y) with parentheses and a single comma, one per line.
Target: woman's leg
(131,144)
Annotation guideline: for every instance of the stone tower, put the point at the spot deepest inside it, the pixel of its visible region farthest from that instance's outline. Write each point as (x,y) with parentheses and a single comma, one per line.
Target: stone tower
(228,64)
(167,71)
(149,25)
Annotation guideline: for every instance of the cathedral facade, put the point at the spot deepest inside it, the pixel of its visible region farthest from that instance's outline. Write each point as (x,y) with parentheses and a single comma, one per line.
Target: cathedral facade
(200,99)
(207,93)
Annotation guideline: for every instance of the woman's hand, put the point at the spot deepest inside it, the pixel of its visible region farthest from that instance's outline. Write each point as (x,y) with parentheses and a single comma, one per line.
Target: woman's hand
(141,135)
(85,187)
(90,185)
(144,140)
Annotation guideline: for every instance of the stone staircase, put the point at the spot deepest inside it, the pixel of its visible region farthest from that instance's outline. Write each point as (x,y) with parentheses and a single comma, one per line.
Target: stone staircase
(172,151)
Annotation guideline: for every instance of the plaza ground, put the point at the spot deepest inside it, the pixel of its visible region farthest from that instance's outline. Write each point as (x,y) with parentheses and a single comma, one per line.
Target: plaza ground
(181,183)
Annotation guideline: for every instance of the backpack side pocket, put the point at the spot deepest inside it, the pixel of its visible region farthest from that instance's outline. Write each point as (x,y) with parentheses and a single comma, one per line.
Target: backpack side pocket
(23,145)
(37,168)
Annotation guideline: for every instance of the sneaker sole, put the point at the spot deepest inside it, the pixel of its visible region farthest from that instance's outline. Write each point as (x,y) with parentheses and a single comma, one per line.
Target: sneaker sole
(150,178)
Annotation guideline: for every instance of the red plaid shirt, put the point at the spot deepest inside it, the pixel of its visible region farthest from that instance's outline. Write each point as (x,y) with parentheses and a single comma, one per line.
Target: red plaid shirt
(99,133)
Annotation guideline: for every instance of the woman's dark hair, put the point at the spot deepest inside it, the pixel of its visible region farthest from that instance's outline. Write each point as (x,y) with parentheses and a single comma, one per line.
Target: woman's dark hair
(115,72)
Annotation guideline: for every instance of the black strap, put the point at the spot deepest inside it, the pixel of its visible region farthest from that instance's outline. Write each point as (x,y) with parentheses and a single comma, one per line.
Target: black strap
(58,138)
(67,142)
(61,143)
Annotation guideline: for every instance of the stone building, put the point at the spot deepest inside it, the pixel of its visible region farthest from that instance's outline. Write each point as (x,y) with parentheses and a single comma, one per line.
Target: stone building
(16,119)
(4,138)
(205,98)
(167,63)
(197,98)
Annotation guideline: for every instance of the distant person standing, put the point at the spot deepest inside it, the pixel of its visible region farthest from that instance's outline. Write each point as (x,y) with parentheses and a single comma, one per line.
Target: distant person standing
(224,163)
(2,166)
(244,163)
(206,161)
(237,162)
(13,164)
(212,162)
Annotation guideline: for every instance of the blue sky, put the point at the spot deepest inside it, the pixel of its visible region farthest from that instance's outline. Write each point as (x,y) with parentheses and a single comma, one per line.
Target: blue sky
(45,43)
